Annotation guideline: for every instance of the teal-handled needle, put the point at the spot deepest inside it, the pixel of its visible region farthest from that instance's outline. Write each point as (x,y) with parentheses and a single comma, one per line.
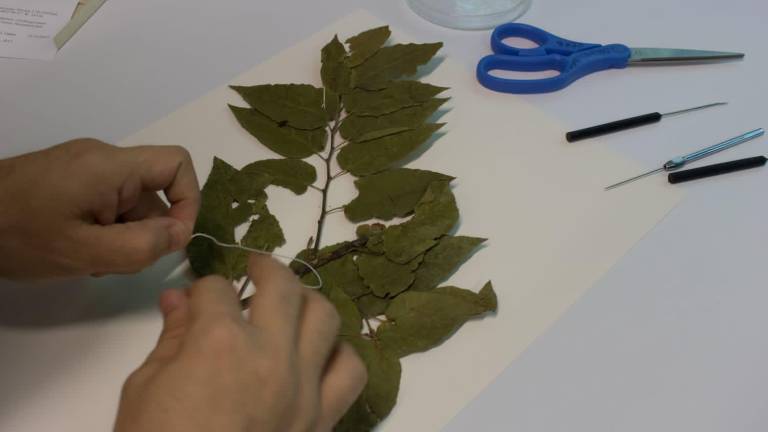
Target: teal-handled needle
(680,161)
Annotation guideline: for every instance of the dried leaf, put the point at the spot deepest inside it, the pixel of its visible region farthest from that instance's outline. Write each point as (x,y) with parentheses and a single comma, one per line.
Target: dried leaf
(299,106)
(384,277)
(351,322)
(340,274)
(396,96)
(335,71)
(380,393)
(422,320)
(442,260)
(373,156)
(358,418)
(375,235)
(392,62)
(292,174)
(371,306)
(359,128)
(366,44)
(434,216)
(284,140)
(389,194)
(228,200)
(264,233)
(332,105)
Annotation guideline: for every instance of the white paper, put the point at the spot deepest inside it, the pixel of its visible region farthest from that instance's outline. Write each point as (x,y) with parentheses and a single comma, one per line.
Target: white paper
(553,230)
(27,27)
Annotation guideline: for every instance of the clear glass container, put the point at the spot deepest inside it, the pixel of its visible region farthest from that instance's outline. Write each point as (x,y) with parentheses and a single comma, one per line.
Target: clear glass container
(470,14)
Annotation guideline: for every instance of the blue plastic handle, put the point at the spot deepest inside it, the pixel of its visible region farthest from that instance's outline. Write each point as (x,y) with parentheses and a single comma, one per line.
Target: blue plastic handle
(572,59)
(571,68)
(547,42)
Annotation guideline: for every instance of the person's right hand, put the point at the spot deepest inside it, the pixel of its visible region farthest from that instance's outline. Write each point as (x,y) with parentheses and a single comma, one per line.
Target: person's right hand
(280,370)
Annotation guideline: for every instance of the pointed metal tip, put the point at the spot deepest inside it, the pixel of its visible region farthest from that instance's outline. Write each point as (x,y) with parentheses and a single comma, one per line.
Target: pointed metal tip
(687,110)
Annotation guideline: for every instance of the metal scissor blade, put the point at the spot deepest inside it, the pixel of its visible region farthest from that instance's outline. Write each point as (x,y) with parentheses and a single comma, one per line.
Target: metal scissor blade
(672,55)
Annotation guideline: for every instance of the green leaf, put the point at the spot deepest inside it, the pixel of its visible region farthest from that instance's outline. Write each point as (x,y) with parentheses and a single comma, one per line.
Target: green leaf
(392,62)
(299,106)
(389,194)
(229,199)
(396,96)
(366,44)
(332,105)
(423,320)
(292,174)
(373,156)
(434,216)
(371,306)
(358,128)
(358,418)
(284,140)
(375,235)
(335,72)
(380,393)
(442,260)
(341,274)
(351,321)
(384,277)
(264,233)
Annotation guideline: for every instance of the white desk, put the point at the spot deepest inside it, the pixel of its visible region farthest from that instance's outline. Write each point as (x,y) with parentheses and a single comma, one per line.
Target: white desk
(672,339)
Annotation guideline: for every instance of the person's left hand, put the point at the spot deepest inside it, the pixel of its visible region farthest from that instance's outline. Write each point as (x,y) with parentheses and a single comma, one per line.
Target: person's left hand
(85,207)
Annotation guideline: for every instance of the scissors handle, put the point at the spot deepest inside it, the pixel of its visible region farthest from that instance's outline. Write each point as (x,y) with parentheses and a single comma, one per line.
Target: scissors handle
(571,68)
(546,41)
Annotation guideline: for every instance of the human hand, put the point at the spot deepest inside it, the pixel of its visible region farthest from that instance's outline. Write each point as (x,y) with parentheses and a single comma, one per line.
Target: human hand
(280,370)
(85,207)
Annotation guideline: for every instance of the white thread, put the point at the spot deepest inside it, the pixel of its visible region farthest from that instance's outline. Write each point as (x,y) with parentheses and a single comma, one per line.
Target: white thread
(237,246)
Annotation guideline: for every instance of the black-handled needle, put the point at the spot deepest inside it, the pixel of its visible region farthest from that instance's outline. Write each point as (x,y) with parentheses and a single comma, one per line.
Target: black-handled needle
(629,123)
(717,169)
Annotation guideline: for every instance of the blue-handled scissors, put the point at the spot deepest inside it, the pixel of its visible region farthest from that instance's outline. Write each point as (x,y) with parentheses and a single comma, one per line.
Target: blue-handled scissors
(572,59)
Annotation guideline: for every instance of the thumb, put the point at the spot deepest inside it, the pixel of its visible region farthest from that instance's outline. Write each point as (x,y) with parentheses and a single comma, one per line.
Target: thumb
(132,246)
(175,309)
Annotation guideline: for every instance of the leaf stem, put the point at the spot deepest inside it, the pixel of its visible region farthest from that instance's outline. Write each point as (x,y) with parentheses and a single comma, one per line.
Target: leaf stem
(328,179)
(316,188)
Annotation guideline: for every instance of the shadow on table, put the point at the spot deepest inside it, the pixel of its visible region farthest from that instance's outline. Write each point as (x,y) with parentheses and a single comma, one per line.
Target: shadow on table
(46,304)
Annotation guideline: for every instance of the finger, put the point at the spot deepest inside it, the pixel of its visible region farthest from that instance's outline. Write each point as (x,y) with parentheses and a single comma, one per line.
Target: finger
(169,168)
(276,303)
(317,335)
(213,298)
(344,379)
(175,309)
(128,247)
(148,205)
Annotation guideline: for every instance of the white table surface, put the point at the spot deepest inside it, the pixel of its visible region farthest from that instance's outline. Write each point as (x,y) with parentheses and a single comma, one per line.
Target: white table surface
(673,338)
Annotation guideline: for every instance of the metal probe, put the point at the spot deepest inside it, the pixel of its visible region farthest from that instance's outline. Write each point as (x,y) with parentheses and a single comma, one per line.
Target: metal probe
(680,161)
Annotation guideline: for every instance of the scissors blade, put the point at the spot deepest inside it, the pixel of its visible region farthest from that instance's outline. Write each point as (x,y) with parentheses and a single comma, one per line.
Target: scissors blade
(672,55)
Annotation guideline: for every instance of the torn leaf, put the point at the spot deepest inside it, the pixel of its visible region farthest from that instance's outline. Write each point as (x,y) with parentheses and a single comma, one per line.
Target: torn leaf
(358,128)
(373,156)
(292,174)
(384,277)
(396,96)
(365,44)
(389,194)
(283,140)
(299,106)
(435,215)
(422,320)
(371,306)
(392,62)
(442,260)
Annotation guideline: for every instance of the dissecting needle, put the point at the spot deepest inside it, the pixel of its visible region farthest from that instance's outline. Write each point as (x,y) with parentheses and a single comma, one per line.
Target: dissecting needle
(679,162)
(629,123)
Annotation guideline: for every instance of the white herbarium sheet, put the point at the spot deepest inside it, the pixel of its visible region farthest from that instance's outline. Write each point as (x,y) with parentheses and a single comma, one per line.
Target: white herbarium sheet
(553,231)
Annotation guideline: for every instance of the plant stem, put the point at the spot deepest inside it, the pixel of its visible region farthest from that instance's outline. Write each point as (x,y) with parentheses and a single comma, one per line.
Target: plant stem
(328,179)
